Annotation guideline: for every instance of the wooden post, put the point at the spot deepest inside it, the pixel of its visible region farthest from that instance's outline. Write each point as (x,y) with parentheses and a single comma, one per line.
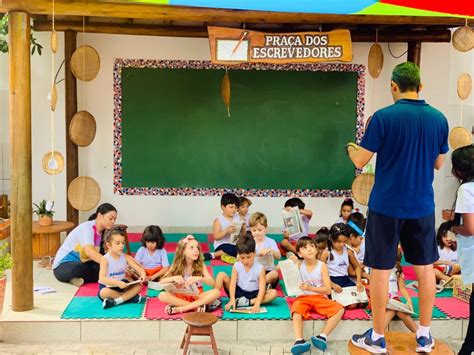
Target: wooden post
(20,141)
(414,52)
(72,157)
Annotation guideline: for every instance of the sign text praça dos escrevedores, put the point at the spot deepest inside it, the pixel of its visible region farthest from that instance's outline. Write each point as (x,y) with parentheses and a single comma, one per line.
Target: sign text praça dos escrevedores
(296,47)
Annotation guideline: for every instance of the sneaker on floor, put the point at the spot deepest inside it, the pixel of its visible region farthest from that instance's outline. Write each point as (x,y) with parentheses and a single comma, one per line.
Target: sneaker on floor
(364,341)
(107,303)
(229,259)
(300,347)
(136,299)
(213,306)
(424,344)
(207,256)
(77,281)
(319,342)
(242,302)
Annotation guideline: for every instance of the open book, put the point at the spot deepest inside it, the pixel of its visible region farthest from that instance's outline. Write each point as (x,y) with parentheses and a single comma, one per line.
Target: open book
(266,260)
(349,295)
(399,306)
(184,290)
(153,285)
(130,283)
(238,228)
(291,277)
(293,221)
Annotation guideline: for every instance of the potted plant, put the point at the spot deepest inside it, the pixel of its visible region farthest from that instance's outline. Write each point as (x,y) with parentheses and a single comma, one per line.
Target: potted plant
(45,212)
(5,264)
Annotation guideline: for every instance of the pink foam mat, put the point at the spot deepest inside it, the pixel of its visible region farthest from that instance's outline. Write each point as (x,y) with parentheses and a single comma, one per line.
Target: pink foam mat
(409,273)
(219,262)
(353,314)
(453,307)
(154,310)
(92,289)
(134,237)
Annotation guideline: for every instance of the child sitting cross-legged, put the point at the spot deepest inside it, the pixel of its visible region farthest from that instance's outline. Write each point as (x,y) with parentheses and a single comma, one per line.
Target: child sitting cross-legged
(188,268)
(152,255)
(113,285)
(246,286)
(316,287)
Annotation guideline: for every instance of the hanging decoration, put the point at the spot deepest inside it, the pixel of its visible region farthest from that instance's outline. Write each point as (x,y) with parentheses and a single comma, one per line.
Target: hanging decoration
(83,193)
(362,185)
(53,163)
(85,63)
(464,86)
(375,61)
(463,38)
(82,128)
(225,91)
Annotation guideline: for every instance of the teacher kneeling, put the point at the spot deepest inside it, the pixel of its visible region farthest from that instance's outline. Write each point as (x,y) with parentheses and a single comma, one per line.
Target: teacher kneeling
(77,260)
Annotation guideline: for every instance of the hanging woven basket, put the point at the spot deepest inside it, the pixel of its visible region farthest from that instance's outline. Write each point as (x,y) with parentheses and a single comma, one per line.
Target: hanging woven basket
(82,128)
(463,39)
(362,187)
(85,63)
(53,164)
(459,137)
(375,61)
(464,86)
(83,193)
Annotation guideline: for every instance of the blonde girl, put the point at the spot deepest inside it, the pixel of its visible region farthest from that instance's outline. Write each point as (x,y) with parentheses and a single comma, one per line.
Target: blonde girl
(188,268)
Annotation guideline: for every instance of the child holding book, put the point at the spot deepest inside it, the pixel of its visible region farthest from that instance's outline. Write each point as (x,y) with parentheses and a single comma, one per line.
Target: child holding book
(463,227)
(289,242)
(316,286)
(243,211)
(152,255)
(265,246)
(114,288)
(447,265)
(396,282)
(246,286)
(188,269)
(338,259)
(224,228)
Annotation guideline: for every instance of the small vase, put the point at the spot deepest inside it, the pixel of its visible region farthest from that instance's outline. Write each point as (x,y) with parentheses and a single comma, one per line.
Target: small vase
(45,221)
(3,284)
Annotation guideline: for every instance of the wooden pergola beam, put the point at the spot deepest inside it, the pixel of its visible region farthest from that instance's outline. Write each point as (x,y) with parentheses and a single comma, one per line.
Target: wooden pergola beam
(438,35)
(180,13)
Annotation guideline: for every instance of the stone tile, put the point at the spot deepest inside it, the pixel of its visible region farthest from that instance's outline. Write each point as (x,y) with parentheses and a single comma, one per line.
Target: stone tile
(345,329)
(265,330)
(113,330)
(465,324)
(225,330)
(441,330)
(41,331)
(172,330)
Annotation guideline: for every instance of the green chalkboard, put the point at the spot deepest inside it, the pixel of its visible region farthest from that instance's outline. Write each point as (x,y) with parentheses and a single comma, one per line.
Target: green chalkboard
(287,129)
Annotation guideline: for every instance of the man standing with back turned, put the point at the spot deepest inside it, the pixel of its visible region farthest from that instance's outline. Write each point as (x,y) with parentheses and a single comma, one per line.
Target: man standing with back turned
(410,139)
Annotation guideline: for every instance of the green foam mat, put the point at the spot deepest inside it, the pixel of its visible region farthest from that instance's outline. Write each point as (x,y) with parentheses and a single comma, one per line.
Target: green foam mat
(276,237)
(447,292)
(175,237)
(91,308)
(152,293)
(278,309)
(436,312)
(222,268)
(134,246)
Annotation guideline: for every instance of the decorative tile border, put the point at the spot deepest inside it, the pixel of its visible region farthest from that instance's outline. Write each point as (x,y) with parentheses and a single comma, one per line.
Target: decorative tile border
(197,64)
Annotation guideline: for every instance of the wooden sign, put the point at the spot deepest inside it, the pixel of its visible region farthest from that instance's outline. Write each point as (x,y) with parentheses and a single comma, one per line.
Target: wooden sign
(235,46)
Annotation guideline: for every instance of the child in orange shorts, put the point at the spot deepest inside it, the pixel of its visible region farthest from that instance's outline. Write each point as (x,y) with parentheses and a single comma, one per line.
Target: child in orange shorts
(316,286)
(152,256)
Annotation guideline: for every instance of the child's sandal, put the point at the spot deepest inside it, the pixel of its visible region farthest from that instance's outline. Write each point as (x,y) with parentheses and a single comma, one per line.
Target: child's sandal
(201,309)
(170,310)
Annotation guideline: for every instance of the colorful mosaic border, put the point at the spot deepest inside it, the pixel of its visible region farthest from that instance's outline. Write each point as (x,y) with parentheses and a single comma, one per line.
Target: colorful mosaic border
(196,64)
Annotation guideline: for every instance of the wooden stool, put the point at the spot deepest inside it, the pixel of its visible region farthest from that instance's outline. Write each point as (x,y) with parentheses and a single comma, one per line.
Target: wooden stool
(399,343)
(199,323)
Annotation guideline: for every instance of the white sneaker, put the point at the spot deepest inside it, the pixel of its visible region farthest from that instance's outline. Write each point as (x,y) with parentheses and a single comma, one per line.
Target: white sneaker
(77,281)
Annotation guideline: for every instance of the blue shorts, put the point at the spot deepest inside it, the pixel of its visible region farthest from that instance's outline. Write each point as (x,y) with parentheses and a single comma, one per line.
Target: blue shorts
(383,233)
(117,289)
(343,281)
(229,249)
(244,293)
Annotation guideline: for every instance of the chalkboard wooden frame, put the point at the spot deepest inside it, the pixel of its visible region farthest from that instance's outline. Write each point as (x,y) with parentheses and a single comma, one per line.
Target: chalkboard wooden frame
(117,151)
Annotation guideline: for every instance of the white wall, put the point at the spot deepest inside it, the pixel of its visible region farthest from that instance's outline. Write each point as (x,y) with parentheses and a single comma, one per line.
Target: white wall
(97,97)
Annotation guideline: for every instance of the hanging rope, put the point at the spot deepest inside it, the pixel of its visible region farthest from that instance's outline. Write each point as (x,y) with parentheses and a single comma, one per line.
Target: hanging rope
(52,163)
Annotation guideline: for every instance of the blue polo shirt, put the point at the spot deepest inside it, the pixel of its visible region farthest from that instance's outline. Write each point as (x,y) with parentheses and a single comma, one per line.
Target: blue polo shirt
(407,136)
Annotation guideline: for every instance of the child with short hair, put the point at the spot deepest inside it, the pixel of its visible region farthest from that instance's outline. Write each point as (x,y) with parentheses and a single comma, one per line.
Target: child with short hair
(188,268)
(322,237)
(288,243)
(338,259)
(223,227)
(356,242)
(447,265)
(152,255)
(264,245)
(246,286)
(113,285)
(243,211)
(345,212)
(396,282)
(316,287)
(463,227)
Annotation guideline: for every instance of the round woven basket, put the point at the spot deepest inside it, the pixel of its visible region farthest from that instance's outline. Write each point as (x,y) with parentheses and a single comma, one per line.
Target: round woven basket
(375,61)
(463,39)
(459,137)
(82,128)
(362,186)
(464,86)
(85,63)
(54,167)
(83,193)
